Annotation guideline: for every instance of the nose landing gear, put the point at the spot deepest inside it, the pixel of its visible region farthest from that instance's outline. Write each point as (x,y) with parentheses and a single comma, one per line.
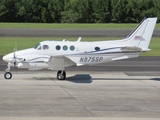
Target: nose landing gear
(8,75)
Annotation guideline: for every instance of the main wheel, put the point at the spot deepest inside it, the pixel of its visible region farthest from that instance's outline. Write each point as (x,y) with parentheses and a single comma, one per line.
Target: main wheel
(61,75)
(8,75)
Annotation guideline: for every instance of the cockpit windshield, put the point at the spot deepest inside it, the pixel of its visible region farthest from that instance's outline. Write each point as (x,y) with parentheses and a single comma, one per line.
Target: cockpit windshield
(37,46)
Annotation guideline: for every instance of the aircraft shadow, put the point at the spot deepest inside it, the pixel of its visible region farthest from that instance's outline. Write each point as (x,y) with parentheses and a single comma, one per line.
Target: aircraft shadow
(115,79)
(80,78)
(86,78)
(156,79)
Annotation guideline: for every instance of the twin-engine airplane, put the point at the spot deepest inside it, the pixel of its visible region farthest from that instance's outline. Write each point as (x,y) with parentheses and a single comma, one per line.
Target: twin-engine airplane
(57,55)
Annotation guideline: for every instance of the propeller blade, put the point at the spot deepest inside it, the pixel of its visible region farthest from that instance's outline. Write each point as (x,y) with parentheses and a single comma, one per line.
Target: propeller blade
(14,55)
(15,46)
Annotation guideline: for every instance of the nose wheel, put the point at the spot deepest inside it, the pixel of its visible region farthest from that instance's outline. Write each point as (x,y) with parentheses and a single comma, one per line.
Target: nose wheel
(61,75)
(8,75)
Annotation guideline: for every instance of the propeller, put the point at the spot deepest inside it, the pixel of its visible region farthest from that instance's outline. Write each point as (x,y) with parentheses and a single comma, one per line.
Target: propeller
(14,60)
(14,57)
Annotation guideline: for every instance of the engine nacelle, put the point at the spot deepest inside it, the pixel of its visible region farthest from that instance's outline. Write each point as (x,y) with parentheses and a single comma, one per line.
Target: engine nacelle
(16,60)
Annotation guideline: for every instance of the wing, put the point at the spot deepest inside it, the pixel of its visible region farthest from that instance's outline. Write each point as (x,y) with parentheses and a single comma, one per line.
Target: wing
(46,61)
(61,61)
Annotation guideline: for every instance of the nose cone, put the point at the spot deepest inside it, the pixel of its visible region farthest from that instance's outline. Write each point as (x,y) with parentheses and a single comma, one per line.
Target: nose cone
(6,58)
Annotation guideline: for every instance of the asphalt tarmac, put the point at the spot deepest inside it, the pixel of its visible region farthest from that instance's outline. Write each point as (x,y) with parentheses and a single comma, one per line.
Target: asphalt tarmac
(83,95)
(19,32)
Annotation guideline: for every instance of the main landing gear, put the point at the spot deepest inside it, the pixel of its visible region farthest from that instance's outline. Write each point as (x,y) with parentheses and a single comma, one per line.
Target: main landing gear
(61,75)
(8,75)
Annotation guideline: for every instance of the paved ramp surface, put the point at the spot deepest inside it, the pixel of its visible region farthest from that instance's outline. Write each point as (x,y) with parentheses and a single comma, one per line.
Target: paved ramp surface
(68,32)
(84,95)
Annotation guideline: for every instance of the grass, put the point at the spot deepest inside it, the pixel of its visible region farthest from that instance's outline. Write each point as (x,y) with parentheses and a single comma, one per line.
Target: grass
(155,48)
(70,26)
(7,44)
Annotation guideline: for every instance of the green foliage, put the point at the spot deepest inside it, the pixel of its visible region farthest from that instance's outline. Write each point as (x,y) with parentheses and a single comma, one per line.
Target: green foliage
(78,11)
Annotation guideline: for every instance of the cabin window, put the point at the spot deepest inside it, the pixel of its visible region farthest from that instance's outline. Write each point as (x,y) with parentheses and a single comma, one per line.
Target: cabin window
(65,47)
(58,47)
(97,48)
(45,47)
(72,48)
(37,46)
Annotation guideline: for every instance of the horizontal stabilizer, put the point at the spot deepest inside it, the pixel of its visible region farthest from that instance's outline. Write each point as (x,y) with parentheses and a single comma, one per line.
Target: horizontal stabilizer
(131,48)
(125,57)
(120,58)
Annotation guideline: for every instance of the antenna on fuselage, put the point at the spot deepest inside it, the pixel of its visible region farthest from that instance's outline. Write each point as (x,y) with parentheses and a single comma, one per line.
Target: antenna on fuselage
(79,39)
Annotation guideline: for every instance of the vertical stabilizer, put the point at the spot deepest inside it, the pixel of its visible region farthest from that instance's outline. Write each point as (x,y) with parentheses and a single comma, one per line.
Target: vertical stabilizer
(141,35)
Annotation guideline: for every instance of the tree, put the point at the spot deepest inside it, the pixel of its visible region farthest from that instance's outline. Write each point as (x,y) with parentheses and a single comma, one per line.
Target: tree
(71,13)
(8,10)
(78,11)
(101,11)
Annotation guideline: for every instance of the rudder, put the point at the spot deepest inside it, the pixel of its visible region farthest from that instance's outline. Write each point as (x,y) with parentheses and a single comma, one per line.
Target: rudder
(141,35)
(146,37)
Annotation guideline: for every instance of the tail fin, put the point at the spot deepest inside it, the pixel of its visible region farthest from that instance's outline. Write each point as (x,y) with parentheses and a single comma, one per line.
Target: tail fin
(141,35)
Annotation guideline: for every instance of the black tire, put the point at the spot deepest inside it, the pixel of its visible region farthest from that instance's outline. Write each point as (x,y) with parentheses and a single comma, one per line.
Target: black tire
(8,75)
(64,74)
(61,76)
